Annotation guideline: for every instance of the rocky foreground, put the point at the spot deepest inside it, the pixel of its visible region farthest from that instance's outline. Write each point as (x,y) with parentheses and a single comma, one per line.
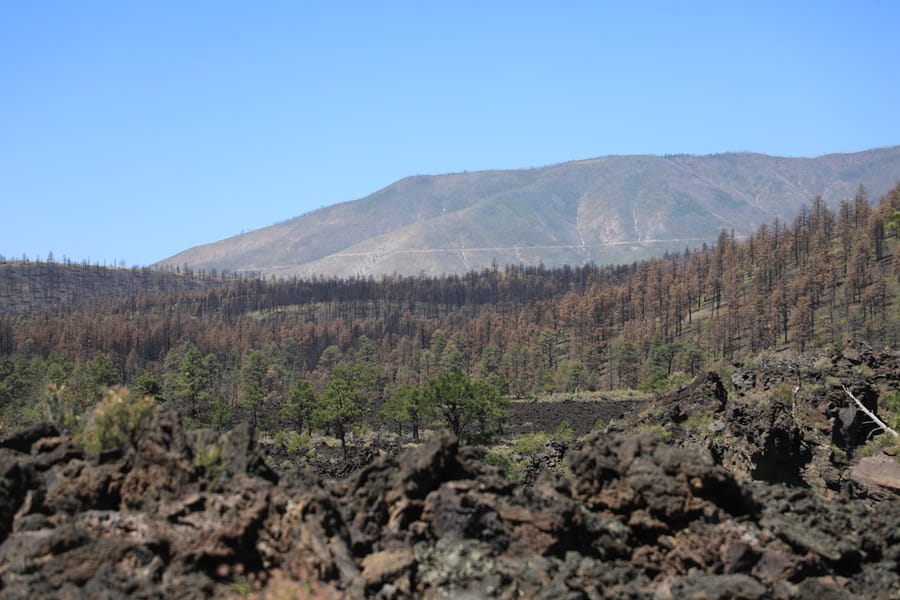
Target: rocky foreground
(193,515)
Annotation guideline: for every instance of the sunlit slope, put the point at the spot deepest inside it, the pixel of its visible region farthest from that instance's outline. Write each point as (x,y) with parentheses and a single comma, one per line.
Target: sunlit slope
(607,210)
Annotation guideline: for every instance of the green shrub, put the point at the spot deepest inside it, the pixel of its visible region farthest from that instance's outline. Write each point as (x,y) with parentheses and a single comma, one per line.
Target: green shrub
(762,358)
(864,371)
(874,446)
(823,364)
(530,444)
(293,443)
(113,420)
(190,424)
(783,394)
(832,382)
(892,406)
(658,431)
(564,431)
(362,430)
(658,381)
(838,453)
(210,460)
(507,463)
(655,382)
(209,456)
(698,421)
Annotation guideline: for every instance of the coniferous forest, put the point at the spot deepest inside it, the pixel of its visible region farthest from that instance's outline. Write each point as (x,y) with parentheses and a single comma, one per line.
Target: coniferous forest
(225,349)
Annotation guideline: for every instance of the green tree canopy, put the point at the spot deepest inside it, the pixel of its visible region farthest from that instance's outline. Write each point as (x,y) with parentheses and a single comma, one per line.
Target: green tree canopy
(329,358)
(491,410)
(410,405)
(338,408)
(490,368)
(464,402)
(146,384)
(301,403)
(367,353)
(92,378)
(662,355)
(258,380)
(192,387)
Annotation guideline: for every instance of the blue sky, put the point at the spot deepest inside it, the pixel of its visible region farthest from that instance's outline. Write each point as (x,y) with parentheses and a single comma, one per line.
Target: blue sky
(130,131)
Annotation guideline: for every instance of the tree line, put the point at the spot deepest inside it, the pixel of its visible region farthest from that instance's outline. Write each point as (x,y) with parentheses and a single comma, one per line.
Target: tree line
(824,277)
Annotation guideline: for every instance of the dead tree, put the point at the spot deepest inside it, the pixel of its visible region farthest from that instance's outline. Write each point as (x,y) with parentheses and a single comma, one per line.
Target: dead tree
(881,424)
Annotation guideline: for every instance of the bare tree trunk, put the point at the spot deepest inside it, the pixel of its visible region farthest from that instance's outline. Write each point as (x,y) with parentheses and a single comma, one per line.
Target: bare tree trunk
(870,414)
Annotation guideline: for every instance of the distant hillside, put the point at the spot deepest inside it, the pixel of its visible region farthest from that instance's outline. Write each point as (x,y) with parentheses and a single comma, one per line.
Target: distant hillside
(34,286)
(607,210)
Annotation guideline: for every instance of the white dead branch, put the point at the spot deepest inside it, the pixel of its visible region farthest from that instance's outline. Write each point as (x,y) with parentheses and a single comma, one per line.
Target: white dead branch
(870,414)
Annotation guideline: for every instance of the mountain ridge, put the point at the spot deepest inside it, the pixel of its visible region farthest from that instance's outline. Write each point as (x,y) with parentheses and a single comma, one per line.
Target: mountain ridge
(611,209)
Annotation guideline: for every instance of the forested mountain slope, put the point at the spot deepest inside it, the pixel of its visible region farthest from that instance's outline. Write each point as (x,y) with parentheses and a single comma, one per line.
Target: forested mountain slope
(609,210)
(32,286)
(812,283)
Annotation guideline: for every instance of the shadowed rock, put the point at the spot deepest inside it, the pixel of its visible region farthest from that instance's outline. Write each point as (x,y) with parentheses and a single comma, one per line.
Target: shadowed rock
(192,516)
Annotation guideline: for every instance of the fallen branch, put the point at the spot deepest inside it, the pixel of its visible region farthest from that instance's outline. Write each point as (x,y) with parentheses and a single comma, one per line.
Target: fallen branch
(870,414)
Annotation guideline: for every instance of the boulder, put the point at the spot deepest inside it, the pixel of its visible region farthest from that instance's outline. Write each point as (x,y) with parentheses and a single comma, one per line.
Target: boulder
(200,515)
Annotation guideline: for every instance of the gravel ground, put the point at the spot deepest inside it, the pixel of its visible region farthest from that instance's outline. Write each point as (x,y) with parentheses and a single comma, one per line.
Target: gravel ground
(582,415)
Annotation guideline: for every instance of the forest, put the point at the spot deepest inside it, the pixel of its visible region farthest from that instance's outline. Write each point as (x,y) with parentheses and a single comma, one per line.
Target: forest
(405,352)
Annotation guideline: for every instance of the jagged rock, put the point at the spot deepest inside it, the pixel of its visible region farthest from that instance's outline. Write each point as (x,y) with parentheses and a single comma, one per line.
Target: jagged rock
(879,474)
(23,439)
(716,587)
(776,435)
(705,394)
(763,442)
(15,481)
(242,455)
(83,485)
(851,426)
(743,379)
(823,473)
(662,486)
(852,355)
(173,514)
(381,567)
(160,464)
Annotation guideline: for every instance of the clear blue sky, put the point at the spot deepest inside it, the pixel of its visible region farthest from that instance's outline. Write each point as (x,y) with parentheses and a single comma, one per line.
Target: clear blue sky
(134,130)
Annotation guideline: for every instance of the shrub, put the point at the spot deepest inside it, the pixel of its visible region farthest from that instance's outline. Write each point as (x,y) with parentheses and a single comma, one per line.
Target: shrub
(208,456)
(880,442)
(838,453)
(832,382)
(505,462)
(293,443)
(658,431)
(655,382)
(658,382)
(783,394)
(564,431)
(864,371)
(698,421)
(892,405)
(531,444)
(823,364)
(113,420)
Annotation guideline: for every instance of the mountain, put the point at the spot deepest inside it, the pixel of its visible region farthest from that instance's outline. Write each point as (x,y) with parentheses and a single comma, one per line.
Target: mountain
(615,209)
